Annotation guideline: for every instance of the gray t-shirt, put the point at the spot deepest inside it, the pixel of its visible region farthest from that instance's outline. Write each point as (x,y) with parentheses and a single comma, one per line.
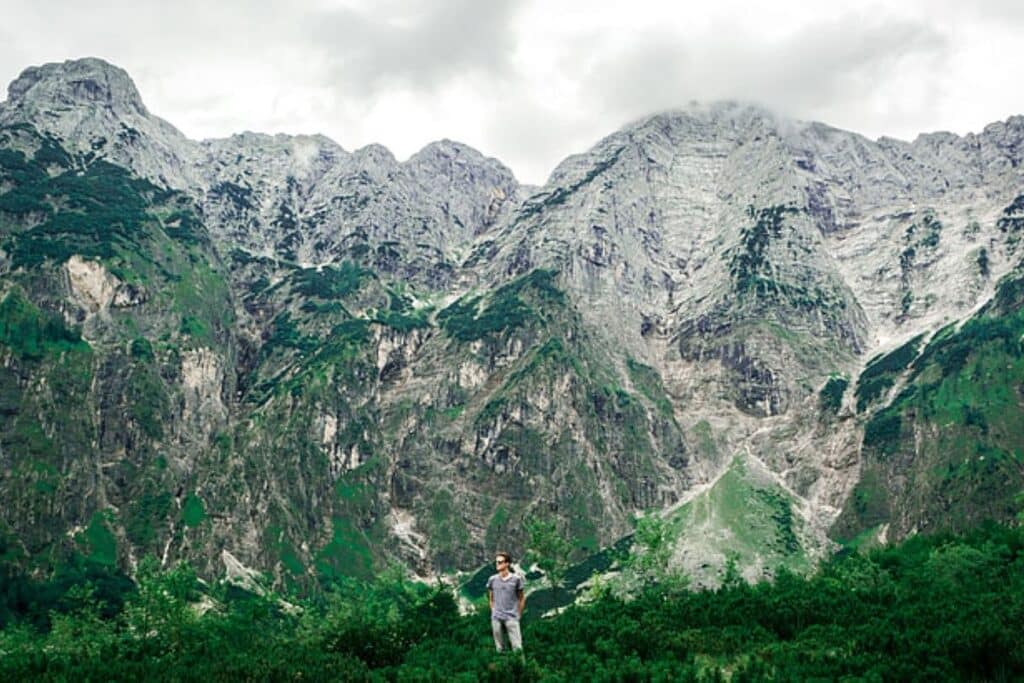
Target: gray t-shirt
(506,595)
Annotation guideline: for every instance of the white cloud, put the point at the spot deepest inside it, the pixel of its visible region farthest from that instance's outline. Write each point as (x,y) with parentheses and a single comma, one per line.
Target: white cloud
(529,81)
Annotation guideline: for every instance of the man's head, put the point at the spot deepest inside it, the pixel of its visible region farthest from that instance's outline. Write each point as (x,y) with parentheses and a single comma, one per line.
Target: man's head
(503,561)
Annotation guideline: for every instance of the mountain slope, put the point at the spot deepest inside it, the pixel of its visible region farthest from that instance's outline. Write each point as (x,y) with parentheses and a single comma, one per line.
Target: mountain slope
(317,361)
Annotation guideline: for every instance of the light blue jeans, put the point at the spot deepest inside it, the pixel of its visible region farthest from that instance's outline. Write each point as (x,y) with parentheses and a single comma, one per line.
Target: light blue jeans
(506,631)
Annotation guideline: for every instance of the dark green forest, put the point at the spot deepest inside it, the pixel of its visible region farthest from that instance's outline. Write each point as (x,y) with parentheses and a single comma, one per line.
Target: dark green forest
(937,607)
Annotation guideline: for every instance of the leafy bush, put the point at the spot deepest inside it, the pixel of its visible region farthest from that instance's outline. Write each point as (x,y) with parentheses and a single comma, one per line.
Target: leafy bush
(882,432)
(330,282)
(141,349)
(831,396)
(32,333)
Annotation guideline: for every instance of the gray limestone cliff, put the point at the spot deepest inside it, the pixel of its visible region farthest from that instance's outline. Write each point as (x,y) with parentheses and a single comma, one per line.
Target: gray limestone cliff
(319,360)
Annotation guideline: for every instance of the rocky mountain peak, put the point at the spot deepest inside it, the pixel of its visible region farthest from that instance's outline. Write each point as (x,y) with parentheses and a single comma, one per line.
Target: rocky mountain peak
(95,110)
(725,118)
(472,190)
(446,154)
(89,82)
(375,154)
(271,157)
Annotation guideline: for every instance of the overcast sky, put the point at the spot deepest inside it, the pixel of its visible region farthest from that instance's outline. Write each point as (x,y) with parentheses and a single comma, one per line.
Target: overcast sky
(531,81)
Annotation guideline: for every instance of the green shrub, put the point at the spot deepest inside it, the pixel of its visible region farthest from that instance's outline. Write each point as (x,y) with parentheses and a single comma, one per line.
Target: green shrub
(330,282)
(31,333)
(193,512)
(141,349)
(882,432)
(831,396)
(463,320)
(934,608)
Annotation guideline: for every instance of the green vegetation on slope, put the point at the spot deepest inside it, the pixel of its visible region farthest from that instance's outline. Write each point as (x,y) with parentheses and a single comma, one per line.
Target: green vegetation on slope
(330,282)
(92,212)
(747,518)
(947,452)
(504,309)
(30,333)
(401,316)
(647,380)
(1011,223)
(881,372)
(935,608)
(831,397)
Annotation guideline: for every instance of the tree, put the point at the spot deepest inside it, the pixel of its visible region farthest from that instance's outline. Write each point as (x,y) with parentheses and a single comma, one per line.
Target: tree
(551,549)
(652,548)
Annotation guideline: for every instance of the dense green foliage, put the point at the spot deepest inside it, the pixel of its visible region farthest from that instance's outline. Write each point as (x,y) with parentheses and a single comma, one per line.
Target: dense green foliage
(330,282)
(402,316)
(30,333)
(935,608)
(505,309)
(91,212)
(946,452)
(882,433)
(881,372)
(831,396)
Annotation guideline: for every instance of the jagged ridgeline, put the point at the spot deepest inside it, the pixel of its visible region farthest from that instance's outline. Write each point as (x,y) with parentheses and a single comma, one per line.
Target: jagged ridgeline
(275,353)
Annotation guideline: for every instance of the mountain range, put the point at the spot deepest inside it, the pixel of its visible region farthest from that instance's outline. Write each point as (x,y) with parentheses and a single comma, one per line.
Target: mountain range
(272,353)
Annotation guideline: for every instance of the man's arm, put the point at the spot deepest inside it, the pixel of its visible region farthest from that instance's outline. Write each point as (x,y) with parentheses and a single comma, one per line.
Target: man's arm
(490,599)
(522,601)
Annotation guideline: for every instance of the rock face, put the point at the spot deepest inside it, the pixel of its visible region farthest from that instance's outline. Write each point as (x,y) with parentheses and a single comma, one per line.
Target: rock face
(313,361)
(94,109)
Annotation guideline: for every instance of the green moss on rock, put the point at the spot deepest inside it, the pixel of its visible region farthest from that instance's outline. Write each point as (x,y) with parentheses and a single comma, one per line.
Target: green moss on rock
(193,512)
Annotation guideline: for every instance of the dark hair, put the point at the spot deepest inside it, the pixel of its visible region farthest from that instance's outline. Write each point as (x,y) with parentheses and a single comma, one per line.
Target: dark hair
(506,556)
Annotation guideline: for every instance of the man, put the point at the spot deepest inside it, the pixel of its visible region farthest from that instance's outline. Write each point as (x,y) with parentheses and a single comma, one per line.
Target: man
(507,599)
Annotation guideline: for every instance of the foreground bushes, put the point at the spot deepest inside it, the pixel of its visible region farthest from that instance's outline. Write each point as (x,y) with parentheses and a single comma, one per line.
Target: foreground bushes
(935,608)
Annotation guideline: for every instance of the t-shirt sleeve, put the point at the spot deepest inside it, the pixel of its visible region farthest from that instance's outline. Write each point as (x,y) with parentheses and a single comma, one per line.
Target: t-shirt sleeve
(490,584)
(520,583)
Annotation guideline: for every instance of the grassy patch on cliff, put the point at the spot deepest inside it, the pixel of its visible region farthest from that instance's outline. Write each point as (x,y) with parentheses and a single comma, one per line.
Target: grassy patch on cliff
(32,334)
(831,396)
(647,380)
(55,205)
(748,518)
(881,372)
(330,282)
(91,211)
(400,314)
(475,317)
